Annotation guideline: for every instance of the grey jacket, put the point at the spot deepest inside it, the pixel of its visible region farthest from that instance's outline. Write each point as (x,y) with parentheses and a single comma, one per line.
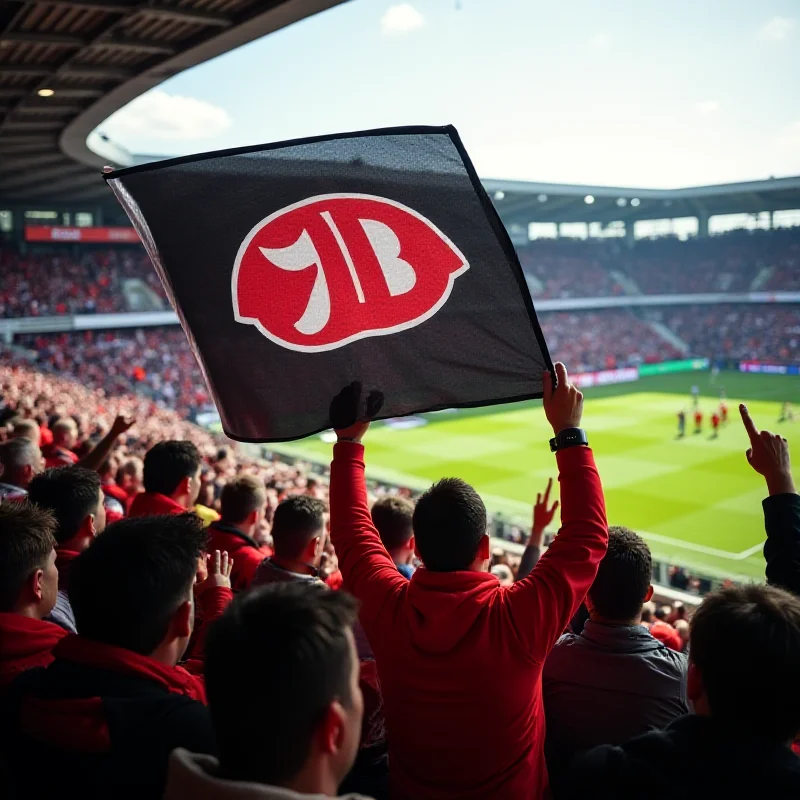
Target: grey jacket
(607,685)
(62,613)
(193,776)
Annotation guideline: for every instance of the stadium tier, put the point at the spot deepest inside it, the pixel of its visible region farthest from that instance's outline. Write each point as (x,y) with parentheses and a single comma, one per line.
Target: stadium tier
(48,280)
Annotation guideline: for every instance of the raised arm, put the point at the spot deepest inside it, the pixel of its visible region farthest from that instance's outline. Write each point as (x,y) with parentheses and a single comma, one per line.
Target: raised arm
(768,455)
(543,603)
(369,572)
(95,457)
(543,514)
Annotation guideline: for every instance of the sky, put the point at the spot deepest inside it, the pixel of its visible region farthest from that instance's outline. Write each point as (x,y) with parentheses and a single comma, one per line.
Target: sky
(639,93)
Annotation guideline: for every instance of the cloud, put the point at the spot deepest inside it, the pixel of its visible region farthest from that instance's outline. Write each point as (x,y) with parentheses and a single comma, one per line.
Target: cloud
(600,41)
(707,106)
(401,19)
(159,115)
(777,29)
(789,137)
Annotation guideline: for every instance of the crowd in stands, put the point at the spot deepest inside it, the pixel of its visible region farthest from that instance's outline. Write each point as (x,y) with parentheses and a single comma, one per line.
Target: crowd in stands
(54,281)
(241,630)
(737,332)
(739,261)
(156,362)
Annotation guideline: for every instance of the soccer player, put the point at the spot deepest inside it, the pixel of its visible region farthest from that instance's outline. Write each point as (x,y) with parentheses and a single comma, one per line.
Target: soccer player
(723,410)
(787,415)
(698,421)
(715,420)
(682,423)
(695,396)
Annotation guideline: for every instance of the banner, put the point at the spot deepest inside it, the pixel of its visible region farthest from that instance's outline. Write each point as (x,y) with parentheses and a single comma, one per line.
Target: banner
(685,365)
(299,267)
(769,369)
(46,233)
(604,377)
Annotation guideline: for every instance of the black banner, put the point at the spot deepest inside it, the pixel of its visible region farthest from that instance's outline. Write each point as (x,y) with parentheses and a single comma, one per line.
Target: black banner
(297,268)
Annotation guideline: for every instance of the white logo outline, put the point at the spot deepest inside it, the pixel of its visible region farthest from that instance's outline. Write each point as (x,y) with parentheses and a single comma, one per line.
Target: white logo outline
(319,348)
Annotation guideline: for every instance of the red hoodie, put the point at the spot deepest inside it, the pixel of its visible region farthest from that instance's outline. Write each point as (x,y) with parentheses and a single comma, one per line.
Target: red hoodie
(57,456)
(460,658)
(149,504)
(245,552)
(25,643)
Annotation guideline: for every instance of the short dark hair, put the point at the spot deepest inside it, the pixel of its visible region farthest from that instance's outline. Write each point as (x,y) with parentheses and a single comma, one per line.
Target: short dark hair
(166,464)
(623,577)
(296,522)
(71,493)
(746,644)
(151,564)
(242,496)
(449,523)
(266,737)
(393,517)
(26,541)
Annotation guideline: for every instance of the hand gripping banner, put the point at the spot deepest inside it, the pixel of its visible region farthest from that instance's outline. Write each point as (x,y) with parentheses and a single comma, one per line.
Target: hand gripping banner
(300,267)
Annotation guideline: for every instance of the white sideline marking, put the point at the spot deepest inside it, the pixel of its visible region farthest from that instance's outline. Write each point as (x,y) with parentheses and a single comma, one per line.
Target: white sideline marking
(701,548)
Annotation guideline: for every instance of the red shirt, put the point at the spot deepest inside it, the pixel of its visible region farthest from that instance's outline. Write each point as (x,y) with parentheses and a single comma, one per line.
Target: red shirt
(245,552)
(698,417)
(148,504)
(715,420)
(57,456)
(665,633)
(460,658)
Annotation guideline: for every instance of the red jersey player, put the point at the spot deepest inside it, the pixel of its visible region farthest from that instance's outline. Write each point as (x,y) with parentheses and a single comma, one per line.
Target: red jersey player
(723,412)
(698,421)
(715,425)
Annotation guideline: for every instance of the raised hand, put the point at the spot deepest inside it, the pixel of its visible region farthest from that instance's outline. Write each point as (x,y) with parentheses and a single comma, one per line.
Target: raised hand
(346,416)
(563,406)
(122,425)
(542,514)
(768,455)
(219,573)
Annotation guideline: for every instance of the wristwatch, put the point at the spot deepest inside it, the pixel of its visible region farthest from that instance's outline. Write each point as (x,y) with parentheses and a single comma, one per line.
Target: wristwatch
(569,437)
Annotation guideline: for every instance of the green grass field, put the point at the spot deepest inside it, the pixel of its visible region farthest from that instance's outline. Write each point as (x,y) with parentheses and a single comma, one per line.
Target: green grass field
(696,500)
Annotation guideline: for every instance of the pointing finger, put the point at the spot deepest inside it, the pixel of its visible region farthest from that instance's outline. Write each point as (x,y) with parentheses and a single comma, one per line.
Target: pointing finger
(749,425)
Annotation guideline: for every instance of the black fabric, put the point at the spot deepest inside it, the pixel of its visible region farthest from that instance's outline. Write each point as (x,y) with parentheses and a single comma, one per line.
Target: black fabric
(694,758)
(145,723)
(483,345)
(782,548)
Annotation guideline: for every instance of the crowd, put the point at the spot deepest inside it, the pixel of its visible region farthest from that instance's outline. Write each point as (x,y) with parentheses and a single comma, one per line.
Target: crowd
(738,332)
(596,340)
(243,630)
(55,281)
(51,282)
(739,261)
(156,362)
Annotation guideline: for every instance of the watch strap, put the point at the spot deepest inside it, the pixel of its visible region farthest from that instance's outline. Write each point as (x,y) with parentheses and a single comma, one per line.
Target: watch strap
(569,437)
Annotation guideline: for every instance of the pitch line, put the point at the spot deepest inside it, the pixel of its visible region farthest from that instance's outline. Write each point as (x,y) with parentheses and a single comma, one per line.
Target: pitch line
(701,548)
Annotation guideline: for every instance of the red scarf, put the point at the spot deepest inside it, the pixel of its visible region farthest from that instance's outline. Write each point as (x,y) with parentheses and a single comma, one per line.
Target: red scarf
(25,643)
(126,662)
(64,559)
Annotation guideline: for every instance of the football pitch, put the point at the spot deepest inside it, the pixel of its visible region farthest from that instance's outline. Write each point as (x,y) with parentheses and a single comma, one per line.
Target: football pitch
(695,499)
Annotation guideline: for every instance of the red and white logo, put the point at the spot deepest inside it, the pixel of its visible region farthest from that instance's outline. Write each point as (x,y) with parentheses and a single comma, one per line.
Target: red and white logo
(336,268)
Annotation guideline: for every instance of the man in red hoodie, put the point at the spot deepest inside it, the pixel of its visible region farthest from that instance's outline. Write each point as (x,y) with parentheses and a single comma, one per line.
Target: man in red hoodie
(75,498)
(28,588)
(459,657)
(171,480)
(243,502)
(106,713)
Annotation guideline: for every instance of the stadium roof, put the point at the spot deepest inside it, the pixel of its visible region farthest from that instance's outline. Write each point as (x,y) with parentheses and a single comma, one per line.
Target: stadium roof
(67,65)
(521,202)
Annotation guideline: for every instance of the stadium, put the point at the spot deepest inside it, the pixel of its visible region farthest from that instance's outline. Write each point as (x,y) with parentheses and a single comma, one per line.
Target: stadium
(661,302)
